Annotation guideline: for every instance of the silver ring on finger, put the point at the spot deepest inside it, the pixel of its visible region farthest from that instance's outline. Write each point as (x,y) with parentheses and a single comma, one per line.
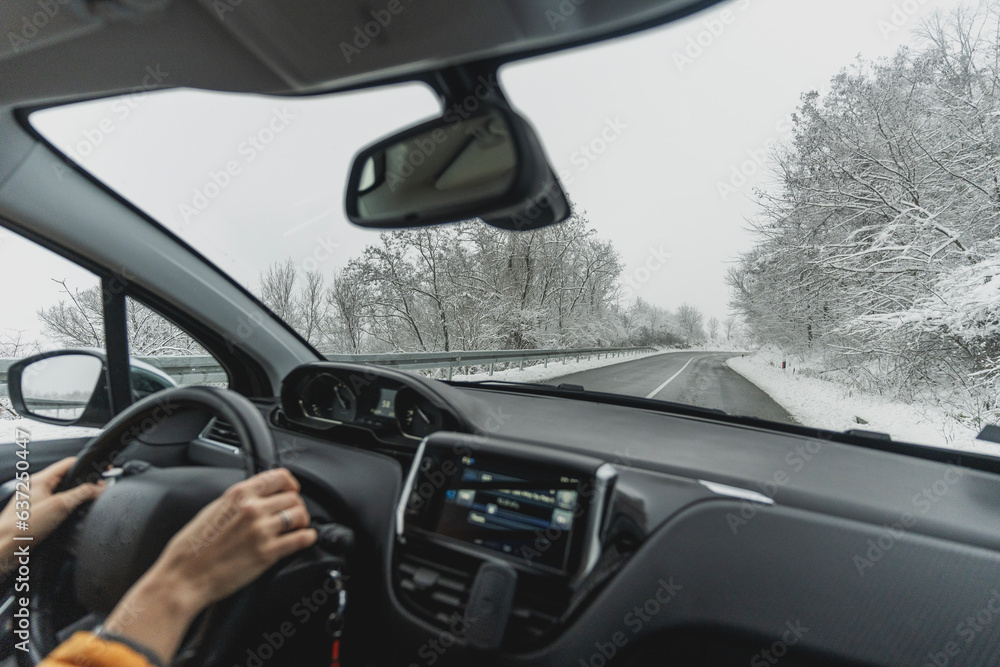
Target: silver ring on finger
(286,520)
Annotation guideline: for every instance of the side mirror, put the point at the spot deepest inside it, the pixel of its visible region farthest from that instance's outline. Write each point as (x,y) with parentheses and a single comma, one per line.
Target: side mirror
(489,165)
(70,387)
(67,387)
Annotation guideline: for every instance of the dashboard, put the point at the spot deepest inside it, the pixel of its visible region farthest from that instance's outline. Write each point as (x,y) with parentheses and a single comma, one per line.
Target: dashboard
(650,533)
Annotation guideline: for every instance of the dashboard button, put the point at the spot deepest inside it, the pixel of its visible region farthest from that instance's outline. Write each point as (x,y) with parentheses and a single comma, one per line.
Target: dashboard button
(562,519)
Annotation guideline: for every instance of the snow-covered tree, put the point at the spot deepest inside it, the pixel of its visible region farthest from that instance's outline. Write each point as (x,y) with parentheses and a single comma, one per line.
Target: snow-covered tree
(14,343)
(890,193)
(713,328)
(692,324)
(78,321)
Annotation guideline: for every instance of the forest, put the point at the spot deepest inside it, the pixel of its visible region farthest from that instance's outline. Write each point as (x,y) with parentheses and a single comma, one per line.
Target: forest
(466,286)
(877,256)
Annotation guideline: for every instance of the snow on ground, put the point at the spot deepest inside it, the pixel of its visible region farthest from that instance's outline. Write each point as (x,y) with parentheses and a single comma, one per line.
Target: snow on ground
(556,368)
(836,407)
(36,431)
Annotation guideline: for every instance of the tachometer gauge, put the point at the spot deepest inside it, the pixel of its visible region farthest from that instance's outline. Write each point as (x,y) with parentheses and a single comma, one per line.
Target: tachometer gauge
(417,416)
(327,398)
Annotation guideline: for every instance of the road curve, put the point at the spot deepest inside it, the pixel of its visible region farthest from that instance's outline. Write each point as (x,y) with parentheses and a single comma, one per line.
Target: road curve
(693,378)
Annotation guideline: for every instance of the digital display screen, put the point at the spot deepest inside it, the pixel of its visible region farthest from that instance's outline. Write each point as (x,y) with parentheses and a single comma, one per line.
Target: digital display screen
(386,405)
(529,516)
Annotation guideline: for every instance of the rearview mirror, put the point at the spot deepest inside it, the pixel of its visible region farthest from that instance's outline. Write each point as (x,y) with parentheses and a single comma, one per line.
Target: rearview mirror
(489,165)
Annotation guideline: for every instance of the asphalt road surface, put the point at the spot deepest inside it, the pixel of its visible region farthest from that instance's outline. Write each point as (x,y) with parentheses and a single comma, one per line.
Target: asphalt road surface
(693,378)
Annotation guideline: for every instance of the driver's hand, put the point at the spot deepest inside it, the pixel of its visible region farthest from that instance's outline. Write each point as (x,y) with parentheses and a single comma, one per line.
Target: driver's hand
(46,508)
(231,542)
(234,539)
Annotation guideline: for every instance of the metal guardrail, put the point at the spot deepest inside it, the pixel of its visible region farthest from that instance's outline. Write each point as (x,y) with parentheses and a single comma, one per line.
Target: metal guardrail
(57,407)
(204,369)
(189,370)
(487,359)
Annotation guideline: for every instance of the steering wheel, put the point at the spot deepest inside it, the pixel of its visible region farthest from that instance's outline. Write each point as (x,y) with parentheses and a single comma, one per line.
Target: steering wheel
(98,554)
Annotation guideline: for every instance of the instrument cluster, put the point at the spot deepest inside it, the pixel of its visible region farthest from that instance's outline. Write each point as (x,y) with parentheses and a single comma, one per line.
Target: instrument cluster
(328,396)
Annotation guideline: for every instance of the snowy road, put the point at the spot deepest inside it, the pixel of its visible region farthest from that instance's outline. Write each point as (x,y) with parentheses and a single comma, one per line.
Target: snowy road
(694,378)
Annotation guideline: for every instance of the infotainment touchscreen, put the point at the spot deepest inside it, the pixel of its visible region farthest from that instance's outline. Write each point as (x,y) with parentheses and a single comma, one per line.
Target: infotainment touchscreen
(529,515)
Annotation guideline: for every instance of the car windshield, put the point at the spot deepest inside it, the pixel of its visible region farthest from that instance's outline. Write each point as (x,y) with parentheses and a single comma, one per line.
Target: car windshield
(764,221)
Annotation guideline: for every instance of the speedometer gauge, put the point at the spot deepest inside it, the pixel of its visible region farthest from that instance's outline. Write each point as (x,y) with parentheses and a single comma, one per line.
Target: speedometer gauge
(417,416)
(327,398)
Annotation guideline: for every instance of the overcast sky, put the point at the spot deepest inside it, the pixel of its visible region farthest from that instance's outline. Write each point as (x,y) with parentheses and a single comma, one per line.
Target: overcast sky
(689,106)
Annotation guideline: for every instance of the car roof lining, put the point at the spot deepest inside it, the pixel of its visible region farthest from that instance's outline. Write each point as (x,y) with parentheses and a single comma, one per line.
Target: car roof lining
(274,47)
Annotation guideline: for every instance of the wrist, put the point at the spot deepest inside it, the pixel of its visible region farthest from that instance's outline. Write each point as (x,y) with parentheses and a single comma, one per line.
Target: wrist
(174,594)
(156,612)
(158,593)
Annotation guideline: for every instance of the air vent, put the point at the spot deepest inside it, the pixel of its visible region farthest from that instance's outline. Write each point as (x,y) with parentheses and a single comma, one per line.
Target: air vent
(532,618)
(220,432)
(439,593)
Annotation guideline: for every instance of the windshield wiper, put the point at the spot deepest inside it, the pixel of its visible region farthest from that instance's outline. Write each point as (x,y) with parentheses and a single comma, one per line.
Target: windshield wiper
(563,387)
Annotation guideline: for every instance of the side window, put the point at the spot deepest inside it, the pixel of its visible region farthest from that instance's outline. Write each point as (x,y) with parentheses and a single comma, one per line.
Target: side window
(49,303)
(53,304)
(164,356)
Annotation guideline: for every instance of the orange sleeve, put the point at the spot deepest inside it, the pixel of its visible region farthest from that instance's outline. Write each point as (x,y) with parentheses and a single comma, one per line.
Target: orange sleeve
(86,650)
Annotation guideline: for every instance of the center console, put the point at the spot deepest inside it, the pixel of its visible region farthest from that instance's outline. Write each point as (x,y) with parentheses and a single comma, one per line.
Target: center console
(469,501)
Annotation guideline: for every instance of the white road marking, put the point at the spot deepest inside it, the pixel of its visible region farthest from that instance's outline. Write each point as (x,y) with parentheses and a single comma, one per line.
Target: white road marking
(672,378)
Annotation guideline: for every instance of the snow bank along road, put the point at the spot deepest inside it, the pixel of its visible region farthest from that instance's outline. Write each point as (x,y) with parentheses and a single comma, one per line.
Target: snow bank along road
(693,378)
